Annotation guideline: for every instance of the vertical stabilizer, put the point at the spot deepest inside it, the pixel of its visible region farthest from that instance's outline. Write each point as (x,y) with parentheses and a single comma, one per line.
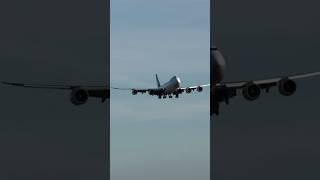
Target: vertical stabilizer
(158,82)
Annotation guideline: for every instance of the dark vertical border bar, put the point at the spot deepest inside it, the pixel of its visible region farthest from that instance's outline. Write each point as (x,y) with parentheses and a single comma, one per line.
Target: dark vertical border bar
(108,85)
(42,134)
(211,88)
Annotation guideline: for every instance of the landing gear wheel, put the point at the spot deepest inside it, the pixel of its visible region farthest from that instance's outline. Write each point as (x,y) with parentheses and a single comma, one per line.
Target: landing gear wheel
(170,96)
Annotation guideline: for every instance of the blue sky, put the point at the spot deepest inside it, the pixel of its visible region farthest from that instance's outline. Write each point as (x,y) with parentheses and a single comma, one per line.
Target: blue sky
(151,138)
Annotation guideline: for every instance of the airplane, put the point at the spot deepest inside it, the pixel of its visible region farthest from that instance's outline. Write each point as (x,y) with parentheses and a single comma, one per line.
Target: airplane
(170,88)
(222,91)
(79,94)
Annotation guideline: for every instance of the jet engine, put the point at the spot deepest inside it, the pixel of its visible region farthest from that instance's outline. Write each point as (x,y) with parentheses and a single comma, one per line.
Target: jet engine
(79,96)
(199,88)
(287,87)
(188,90)
(134,92)
(251,91)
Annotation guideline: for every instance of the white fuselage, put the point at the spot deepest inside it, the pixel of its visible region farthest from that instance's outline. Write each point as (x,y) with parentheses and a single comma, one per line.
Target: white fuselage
(171,86)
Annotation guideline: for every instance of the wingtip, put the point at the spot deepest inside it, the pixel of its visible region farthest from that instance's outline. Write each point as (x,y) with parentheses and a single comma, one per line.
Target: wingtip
(12,84)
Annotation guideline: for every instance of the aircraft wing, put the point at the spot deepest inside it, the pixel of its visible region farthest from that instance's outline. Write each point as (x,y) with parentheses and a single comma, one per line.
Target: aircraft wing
(222,92)
(192,88)
(93,91)
(264,83)
(138,90)
(195,87)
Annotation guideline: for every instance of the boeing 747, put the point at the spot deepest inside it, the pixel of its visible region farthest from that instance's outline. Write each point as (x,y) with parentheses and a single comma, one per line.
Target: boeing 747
(168,89)
(80,94)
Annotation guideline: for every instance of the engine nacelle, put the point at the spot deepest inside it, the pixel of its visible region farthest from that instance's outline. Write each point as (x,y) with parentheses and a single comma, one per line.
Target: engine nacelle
(251,91)
(287,87)
(134,92)
(188,90)
(199,88)
(79,96)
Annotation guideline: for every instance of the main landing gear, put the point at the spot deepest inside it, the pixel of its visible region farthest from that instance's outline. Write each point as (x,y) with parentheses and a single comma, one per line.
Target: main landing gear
(170,96)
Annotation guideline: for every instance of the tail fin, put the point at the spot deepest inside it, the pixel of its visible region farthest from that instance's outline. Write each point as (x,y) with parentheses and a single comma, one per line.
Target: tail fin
(158,82)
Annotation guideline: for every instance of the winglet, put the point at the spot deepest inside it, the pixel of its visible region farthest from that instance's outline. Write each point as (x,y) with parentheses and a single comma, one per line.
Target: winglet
(158,82)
